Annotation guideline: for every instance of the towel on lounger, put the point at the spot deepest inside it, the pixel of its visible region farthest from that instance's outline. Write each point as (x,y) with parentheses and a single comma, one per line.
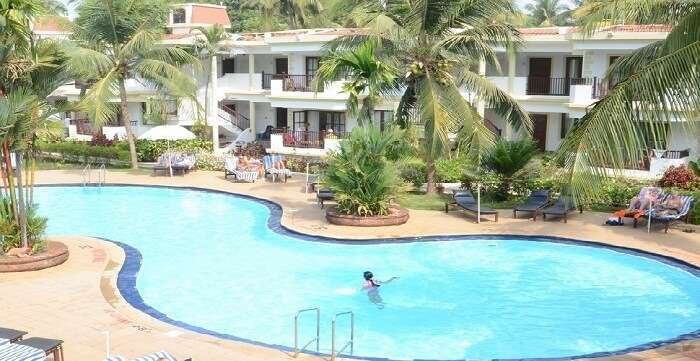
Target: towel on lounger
(15,352)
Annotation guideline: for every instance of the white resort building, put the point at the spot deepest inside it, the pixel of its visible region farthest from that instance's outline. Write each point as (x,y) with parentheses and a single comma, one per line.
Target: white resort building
(262,87)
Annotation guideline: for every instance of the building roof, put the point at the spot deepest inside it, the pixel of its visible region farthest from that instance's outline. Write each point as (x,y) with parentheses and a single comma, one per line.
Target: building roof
(563,30)
(210,14)
(51,24)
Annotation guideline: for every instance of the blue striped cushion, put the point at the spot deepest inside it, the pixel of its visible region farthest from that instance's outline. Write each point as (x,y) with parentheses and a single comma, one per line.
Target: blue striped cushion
(156,356)
(687,203)
(3,342)
(15,352)
(114,358)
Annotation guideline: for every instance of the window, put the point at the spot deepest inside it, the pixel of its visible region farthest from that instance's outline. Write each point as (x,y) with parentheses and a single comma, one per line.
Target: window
(228,66)
(171,107)
(299,121)
(613,80)
(383,118)
(312,63)
(179,16)
(332,120)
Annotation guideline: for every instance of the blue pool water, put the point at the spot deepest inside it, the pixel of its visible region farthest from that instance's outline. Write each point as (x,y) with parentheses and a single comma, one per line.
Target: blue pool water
(210,260)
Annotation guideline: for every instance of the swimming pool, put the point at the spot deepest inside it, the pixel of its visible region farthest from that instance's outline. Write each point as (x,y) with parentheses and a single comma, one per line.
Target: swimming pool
(211,262)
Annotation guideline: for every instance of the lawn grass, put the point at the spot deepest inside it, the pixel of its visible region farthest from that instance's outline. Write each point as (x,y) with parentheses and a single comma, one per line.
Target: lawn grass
(48,164)
(436,202)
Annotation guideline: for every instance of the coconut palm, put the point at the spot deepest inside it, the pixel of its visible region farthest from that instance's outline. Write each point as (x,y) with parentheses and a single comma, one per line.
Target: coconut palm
(548,12)
(29,71)
(658,86)
(207,47)
(119,40)
(297,13)
(438,64)
(365,77)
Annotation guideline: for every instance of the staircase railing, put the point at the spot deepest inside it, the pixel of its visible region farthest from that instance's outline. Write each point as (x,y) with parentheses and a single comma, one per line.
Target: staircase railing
(235,118)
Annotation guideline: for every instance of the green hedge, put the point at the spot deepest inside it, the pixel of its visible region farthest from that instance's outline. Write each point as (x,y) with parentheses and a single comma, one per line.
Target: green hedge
(84,150)
(150,150)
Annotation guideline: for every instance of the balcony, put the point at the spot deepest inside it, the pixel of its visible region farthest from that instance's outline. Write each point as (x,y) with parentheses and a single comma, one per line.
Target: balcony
(291,83)
(578,90)
(241,81)
(305,143)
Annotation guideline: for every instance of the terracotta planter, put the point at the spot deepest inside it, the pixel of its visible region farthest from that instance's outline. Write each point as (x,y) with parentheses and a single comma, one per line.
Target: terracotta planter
(55,254)
(395,217)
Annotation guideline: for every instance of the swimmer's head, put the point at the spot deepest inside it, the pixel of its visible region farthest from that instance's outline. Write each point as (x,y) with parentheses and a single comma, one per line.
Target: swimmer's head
(368,275)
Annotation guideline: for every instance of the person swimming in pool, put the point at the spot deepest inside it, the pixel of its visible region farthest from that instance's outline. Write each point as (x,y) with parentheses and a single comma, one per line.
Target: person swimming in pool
(372,287)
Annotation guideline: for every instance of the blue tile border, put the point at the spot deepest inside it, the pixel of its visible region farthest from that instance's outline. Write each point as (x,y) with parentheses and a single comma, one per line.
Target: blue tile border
(126,279)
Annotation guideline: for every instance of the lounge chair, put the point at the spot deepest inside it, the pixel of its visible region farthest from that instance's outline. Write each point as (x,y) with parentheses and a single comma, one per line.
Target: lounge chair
(231,168)
(269,162)
(32,349)
(184,163)
(465,200)
(10,335)
(156,356)
(643,193)
(537,201)
(561,208)
(668,219)
(323,195)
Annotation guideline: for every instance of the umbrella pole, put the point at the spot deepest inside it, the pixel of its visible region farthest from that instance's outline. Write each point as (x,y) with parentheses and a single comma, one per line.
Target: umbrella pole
(306,188)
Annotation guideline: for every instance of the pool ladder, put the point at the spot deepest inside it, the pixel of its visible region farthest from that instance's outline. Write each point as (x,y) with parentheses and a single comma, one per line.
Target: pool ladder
(101,175)
(334,353)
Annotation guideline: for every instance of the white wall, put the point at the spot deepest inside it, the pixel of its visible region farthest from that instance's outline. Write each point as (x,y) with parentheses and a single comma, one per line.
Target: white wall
(681,137)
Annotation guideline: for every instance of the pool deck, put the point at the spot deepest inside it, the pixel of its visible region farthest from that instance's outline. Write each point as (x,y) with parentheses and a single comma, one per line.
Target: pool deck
(78,301)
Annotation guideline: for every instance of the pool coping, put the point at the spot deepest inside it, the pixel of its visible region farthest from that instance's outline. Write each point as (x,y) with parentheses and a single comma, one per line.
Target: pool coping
(128,273)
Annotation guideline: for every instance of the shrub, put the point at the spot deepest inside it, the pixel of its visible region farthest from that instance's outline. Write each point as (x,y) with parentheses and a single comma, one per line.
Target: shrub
(679,177)
(36,226)
(451,170)
(695,166)
(296,165)
(150,150)
(85,151)
(363,180)
(101,140)
(209,161)
(253,150)
(506,159)
(412,170)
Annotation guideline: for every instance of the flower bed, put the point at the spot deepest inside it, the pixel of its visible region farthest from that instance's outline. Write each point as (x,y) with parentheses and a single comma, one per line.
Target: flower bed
(55,254)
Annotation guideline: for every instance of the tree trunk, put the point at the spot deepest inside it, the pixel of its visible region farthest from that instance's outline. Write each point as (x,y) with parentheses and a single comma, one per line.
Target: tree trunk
(21,205)
(10,179)
(126,121)
(430,185)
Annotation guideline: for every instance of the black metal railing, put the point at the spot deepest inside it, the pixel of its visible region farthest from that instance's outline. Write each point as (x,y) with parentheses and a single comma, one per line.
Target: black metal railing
(291,83)
(676,154)
(308,139)
(548,86)
(234,117)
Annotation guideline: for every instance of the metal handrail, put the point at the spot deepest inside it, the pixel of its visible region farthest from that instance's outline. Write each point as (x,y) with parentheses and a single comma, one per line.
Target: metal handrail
(298,350)
(86,174)
(102,175)
(350,343)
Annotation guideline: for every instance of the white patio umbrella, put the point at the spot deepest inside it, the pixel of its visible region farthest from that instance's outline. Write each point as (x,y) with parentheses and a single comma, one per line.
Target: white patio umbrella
(168,132)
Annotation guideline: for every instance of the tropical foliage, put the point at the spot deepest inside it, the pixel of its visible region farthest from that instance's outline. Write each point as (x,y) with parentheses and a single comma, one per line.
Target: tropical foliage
(366,78)
(207,47)
(363,180)
(30,70)
(657,87)
(118,40)
(548,12)
(507,158)
(436,63)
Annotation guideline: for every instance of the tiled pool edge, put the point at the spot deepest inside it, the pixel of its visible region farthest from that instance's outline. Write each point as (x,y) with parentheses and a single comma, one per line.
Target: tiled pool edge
(126,278)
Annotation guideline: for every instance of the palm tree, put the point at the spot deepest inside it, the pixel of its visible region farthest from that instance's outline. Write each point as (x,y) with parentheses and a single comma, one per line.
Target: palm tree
(207,47)
(658,85)
(29,71)
(366,77)
(548,12)
(438,63)
(119,40)
(297,13)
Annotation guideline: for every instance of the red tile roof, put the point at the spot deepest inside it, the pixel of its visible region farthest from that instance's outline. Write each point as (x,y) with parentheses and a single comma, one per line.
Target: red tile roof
(176,36)
(614,28)
(51,24)
(651,28)
(539,31)
(343,31)
(209,15)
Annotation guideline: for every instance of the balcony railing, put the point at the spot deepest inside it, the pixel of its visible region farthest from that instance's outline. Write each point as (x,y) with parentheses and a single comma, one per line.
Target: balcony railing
(676,154)
(548,86)
(291,83)
(307,139)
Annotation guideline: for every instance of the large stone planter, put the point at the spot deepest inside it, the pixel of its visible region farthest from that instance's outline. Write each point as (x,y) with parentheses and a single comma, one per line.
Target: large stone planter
(56,253)
(395,217)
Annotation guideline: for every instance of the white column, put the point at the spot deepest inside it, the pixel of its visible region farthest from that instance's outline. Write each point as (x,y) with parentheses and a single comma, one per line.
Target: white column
(211,117)
(252,117)
(480,106)
(512,61)
(251,71)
